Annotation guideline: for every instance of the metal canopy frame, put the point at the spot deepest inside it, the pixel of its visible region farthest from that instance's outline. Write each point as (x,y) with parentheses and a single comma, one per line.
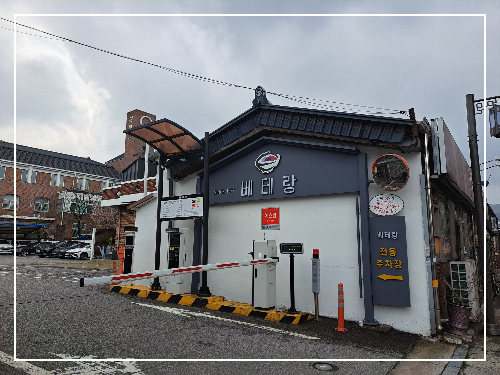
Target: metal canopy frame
(171,139)
(167,137)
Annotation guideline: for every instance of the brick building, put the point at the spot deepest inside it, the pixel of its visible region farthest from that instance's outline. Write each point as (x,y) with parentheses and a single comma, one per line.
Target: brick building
(46,186)
(133,168)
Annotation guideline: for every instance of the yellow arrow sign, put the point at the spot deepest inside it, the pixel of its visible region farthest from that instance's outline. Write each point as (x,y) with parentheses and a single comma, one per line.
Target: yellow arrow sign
(390,277)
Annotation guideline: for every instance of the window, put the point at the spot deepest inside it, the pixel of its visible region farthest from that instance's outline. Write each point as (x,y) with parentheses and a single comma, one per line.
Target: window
(8,202)
(103,185)
(24,175)
(53,179)
(33,177)
(41,204)
(61,181)
(74,230)
(2,173)
(82,184)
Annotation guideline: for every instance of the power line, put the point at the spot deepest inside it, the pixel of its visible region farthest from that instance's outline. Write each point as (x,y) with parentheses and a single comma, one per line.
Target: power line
(299,99)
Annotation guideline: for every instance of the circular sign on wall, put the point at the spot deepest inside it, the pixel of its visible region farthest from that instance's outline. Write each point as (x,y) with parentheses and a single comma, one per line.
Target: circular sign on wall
(386,204)
(390,172)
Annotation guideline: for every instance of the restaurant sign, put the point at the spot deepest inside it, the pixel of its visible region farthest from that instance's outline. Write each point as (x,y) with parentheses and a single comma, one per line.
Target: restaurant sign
(386,204)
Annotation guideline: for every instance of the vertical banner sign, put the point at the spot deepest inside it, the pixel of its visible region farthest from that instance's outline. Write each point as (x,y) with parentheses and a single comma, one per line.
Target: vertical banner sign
(271,218)
(389,262)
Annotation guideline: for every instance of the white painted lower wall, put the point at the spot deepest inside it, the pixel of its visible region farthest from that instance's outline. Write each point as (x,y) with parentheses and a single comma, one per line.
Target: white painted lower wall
(327,223)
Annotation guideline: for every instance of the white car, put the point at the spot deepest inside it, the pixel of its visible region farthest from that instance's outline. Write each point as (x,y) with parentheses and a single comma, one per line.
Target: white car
(6,247)
(81,252)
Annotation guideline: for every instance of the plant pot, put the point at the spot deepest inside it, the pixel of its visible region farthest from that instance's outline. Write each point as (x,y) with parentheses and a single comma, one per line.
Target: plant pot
(459,319)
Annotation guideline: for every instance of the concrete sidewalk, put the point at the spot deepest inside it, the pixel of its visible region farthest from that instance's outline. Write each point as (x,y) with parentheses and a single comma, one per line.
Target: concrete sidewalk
(447,346)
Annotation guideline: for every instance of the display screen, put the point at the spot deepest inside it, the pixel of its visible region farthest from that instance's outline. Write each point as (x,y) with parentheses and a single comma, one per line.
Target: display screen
(291,248)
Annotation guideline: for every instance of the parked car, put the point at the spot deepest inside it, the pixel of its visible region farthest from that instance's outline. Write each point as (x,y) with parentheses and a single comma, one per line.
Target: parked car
(42,248)
(25,248)
(50,250)
(6,247)
(61,251)
(79,252)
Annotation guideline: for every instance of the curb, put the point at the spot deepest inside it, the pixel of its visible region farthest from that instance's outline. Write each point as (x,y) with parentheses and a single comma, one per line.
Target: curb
(215,303)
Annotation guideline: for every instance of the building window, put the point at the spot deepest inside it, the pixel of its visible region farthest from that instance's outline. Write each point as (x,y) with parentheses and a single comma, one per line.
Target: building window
(41,204)
(74,230)
(24,175)
(61,181)
(82,184)
(33,177)
(2,173)
(8,202)
(53,179)
(103,185)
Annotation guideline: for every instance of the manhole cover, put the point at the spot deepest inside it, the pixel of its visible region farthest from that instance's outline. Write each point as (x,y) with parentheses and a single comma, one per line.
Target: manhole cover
(325,367)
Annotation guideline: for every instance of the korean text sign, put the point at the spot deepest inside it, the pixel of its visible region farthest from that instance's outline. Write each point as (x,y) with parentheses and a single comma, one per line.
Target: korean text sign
(271,218)
(389,261)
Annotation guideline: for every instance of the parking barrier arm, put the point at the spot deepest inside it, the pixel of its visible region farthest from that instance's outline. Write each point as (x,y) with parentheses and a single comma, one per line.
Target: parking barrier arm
(90,281)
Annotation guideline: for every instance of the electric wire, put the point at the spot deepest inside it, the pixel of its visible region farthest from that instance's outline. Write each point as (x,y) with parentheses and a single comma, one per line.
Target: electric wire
(299,99)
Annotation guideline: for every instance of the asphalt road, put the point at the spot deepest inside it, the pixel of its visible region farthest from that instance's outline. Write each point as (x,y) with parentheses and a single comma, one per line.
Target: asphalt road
(58,320)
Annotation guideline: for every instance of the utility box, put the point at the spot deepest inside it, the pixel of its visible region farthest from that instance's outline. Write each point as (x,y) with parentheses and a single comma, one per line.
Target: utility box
(264,275)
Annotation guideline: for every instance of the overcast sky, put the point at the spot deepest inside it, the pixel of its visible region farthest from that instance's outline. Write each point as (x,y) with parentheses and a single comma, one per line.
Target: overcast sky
(74,99)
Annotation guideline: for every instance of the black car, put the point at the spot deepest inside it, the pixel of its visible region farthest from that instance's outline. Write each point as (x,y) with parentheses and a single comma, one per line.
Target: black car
(48,249)
(24,248)
(43,248)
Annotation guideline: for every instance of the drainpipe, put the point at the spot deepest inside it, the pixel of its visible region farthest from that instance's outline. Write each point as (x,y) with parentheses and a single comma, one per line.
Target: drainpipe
(117,241)
(146,169)
(435,293)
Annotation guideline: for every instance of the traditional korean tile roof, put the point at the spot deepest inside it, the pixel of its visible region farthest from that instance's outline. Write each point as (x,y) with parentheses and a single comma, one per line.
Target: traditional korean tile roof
(348,127)
(51,159)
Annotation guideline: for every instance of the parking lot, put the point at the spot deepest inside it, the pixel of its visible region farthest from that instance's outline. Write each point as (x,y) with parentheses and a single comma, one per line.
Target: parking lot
(57,319)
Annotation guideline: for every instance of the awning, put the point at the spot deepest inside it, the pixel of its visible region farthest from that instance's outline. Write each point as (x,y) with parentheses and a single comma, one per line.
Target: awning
(167,137)
(7,229)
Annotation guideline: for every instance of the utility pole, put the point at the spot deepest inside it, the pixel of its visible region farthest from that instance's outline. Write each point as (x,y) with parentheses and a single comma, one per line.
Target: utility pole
(479,209)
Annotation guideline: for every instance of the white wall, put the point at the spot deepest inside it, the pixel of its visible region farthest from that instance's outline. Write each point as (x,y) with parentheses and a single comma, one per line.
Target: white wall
(143,257)
(327,223)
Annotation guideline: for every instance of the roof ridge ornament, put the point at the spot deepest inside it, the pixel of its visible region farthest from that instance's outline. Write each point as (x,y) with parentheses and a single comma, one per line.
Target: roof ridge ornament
(260,97)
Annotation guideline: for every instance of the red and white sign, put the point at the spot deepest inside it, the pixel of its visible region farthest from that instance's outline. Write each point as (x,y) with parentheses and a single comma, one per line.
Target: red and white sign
(271,218)
(386,204)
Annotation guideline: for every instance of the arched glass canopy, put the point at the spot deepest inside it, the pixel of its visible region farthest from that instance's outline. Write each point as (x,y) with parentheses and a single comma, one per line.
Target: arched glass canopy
(167,137)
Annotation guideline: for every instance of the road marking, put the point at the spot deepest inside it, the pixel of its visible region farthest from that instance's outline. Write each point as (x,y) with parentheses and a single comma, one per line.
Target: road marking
(187,313)
(25,366)
(80,368)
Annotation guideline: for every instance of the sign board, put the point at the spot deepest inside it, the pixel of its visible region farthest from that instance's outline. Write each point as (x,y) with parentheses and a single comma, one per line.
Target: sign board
(271,169)
(389,262)
(291,248)
(130,229)
(386,204)
(271,218)
(182,207)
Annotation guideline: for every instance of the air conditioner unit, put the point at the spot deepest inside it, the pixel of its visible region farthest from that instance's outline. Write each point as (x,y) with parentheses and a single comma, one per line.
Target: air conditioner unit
(464,279)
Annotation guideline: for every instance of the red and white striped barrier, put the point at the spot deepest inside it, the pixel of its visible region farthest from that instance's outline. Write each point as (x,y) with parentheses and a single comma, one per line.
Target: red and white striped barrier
(170,272)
